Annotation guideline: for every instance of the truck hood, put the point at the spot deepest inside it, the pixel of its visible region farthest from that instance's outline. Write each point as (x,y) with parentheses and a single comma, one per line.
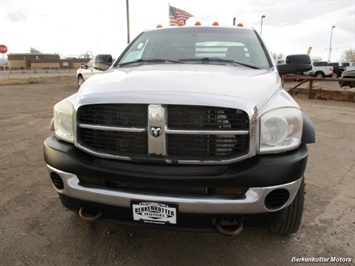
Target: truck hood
(188,84)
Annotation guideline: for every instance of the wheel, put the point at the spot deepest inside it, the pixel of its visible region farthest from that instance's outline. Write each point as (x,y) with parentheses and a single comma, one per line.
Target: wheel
(319,74)
(342,84)
(80,80)
(293,216)
(351,84)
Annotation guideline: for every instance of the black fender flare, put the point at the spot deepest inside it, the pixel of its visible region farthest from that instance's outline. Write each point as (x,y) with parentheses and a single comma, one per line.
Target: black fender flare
(308,133)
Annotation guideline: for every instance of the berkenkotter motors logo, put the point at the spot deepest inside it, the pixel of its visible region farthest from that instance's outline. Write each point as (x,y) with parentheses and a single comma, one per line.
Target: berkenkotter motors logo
(153,212)
(321,260)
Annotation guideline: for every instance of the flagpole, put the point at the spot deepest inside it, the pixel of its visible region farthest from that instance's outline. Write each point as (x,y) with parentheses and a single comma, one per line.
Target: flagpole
(127,12)
(168,14)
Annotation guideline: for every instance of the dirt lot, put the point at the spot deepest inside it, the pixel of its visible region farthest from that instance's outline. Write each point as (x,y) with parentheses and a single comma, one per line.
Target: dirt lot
(37,230)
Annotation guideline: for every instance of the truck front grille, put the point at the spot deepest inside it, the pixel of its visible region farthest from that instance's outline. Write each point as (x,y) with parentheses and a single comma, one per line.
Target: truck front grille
(163,133)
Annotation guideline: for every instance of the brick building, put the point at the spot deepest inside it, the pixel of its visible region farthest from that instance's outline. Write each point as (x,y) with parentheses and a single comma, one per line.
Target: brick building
(42,61)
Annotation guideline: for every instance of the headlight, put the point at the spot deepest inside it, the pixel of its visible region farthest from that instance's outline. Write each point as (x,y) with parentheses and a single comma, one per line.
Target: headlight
(280,130)
(63,121)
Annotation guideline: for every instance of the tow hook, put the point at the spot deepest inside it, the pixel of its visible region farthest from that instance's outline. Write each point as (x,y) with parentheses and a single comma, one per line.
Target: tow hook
(229,227)
(89,213)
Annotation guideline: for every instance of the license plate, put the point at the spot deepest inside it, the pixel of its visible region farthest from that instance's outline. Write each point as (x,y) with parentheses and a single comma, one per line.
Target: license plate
(154,212)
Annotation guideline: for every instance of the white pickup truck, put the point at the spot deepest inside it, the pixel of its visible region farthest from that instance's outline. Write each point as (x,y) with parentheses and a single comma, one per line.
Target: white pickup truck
(99,63)
(349,66)
(190,129)
(320,70)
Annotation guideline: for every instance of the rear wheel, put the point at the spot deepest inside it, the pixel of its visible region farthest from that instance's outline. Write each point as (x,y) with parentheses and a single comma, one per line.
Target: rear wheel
(293,216)
(319,74)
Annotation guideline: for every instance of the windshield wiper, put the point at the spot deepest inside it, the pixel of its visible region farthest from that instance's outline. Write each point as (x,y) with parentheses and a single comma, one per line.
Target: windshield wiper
(218,60)
(151,60)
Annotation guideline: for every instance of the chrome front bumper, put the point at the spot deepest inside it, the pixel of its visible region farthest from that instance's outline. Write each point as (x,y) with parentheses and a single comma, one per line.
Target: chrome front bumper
(251,204)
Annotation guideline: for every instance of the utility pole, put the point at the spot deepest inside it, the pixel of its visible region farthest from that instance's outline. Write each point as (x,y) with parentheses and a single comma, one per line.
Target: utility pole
(261,24)
(330,44)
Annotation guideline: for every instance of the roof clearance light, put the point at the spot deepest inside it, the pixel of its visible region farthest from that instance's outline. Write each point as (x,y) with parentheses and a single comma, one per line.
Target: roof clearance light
(215,23)
(198,23)
(240,24)
(181,23)
(159,26)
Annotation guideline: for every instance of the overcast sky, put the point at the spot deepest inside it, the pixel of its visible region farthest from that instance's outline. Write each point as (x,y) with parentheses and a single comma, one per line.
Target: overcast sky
(72,27)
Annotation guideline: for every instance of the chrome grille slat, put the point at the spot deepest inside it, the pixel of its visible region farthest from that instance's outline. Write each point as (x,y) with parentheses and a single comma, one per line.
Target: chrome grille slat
(107,128)
(206,132)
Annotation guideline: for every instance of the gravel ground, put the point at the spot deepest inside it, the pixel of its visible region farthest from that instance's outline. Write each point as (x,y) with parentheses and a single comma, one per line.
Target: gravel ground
(37,230)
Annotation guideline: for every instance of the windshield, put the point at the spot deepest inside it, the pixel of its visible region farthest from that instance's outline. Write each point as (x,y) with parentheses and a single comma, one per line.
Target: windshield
(195,45)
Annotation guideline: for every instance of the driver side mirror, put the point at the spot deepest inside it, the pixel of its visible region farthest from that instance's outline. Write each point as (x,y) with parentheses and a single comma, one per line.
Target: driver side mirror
(295,64)
(84,66)
(101,66)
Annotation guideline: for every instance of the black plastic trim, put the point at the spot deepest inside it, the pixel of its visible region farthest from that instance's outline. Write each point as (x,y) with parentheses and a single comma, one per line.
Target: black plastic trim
(308,134)
(259,171)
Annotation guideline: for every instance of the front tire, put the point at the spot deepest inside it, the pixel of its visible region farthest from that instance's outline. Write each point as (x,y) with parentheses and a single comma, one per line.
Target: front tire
(293,216)
(351,84)
(80,80)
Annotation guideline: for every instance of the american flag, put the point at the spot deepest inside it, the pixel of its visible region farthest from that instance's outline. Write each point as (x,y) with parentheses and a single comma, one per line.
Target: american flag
(177,15)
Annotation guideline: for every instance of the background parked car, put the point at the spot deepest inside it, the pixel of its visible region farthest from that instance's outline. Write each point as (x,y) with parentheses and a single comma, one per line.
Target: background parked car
(338,69)
(348,74)
(320,70)
(349,65)
(97,64)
